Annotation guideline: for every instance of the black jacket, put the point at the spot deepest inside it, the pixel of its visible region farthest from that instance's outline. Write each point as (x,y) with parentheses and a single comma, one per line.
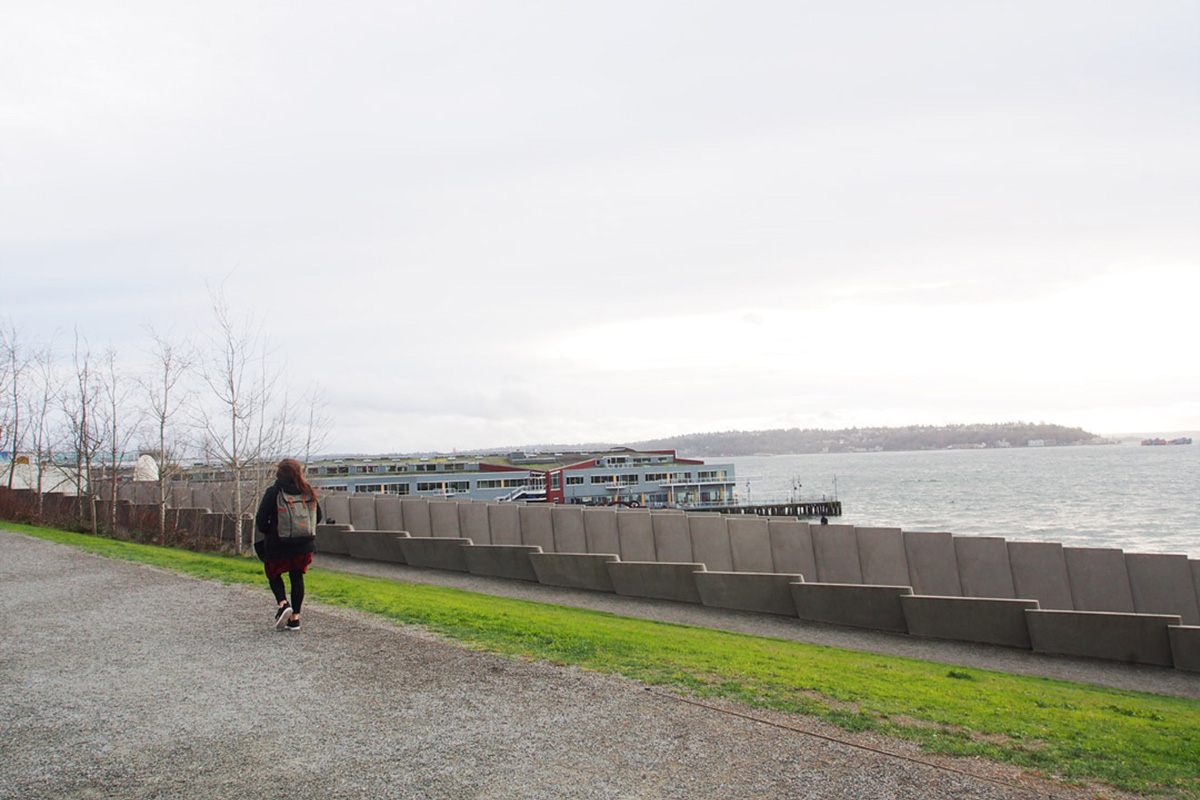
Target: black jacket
(266,521)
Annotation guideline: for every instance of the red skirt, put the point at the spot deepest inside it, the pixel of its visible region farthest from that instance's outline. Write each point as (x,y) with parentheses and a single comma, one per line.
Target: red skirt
(277,568)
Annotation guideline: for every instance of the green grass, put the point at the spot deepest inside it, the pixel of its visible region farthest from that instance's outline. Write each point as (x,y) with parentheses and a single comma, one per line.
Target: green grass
(1132,741)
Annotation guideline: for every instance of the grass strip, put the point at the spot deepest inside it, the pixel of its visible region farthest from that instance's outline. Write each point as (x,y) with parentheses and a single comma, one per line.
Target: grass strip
(1133,741)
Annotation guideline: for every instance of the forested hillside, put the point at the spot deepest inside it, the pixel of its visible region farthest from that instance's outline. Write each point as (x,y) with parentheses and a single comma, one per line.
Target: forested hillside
(913,437)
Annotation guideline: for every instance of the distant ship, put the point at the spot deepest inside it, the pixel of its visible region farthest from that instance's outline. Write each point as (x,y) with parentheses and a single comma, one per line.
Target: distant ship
(1156,442)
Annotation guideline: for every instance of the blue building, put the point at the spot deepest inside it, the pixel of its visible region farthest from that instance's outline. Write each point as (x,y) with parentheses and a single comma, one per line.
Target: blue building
(653,479)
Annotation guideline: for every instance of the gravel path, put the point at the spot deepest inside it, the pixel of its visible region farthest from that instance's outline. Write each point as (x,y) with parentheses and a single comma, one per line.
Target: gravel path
(124,681)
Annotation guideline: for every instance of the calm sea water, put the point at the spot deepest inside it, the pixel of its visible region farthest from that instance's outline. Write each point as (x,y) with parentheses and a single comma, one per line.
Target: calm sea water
(1140,499)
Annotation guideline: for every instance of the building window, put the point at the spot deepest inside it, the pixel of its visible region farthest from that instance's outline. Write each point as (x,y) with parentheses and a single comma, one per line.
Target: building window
(603,479)
(368,487)
(396,488)
(656,477)
(449,486)
(628,479)
(574,480)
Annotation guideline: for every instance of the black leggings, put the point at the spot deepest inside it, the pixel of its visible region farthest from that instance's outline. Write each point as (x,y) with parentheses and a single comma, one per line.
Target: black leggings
(297,578)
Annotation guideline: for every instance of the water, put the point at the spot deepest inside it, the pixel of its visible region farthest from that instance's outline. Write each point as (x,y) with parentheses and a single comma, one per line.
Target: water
(1140,499)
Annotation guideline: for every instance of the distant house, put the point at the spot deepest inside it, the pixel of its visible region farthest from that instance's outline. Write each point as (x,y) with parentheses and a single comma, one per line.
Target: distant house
(54,478)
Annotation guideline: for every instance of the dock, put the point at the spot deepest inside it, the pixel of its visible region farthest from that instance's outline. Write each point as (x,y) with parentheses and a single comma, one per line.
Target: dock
(812,508)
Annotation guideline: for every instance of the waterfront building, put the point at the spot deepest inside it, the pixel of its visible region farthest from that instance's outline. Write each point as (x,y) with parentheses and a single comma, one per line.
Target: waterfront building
(653,479)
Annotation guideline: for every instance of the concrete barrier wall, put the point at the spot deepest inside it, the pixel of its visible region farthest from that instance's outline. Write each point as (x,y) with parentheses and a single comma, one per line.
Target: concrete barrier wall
(335,507)
(932,564)
(1185,646)
(362,512)
(711,542)
(374,545)
(537,528)
(574,570)
(600,526)
(473,522)
(434,552)
(202,498)
(983,567)
(1039,572)
(443,519)
(655,580)
(180,496)
(1098,580)
(509,561)
(881,556)
(636,534)
(835,548)
(416,517)
(792,548)
(672,537)
(969,619)
(1133,638)
(762,592)
(569,533)
(874,607)
(749,545)
(1162,584)
(332,539)
(504,522)
(389,513)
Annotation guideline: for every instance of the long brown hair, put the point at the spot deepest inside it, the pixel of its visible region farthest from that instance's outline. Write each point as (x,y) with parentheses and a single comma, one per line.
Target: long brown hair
(292,470)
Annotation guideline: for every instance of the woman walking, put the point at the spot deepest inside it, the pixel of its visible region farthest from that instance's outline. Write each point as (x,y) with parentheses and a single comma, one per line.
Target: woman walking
(287,518)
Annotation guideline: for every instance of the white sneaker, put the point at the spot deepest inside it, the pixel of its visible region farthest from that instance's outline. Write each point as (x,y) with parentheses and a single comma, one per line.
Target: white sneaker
(282,615)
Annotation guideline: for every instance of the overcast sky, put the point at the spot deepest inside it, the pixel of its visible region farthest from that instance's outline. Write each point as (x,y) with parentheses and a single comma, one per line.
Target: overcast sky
(486,224)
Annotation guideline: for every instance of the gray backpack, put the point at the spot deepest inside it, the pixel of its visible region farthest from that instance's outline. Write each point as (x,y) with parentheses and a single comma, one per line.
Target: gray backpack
(297,515)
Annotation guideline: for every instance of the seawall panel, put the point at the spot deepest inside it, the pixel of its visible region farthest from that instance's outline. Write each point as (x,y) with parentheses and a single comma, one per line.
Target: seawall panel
(835,548)
(1039,573)
(569,534)
(1161,583)
(983,567)
(932,566)
(1098,579)
(711,542)
(881,556)
(792,548)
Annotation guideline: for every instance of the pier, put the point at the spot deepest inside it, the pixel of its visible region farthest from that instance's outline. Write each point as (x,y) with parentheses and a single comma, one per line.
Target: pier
(814,508)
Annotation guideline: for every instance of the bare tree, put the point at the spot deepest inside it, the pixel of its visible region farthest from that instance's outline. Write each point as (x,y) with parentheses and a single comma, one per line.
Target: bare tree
(12,384)
(237,370)
(42,427)
(122,424)
(86,427)
(317,426)
(166,393)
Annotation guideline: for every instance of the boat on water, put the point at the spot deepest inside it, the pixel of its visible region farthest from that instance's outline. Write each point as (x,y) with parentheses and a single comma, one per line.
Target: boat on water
(1159,442)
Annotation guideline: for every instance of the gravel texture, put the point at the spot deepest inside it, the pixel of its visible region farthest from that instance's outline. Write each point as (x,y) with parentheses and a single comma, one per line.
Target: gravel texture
(124,681)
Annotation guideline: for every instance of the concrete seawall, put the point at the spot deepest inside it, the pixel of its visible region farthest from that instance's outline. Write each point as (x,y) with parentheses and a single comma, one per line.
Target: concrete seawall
(839,574)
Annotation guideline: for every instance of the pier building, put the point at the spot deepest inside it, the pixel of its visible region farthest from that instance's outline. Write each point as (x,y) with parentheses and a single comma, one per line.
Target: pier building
(618,476)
